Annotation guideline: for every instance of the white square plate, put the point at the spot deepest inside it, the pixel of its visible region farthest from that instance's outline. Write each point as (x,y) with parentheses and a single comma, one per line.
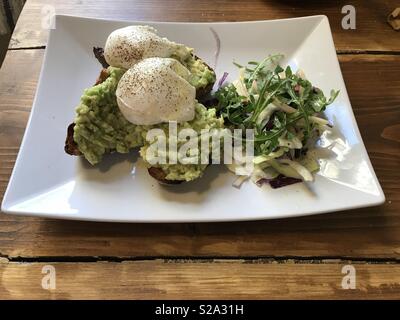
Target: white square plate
(47,182)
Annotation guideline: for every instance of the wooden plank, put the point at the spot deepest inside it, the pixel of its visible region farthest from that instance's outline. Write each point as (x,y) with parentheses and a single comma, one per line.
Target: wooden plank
(18,80)
(199,280)
(372,83)
(372,31)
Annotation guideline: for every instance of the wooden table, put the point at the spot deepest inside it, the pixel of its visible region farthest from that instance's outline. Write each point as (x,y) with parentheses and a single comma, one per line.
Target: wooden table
(292,258)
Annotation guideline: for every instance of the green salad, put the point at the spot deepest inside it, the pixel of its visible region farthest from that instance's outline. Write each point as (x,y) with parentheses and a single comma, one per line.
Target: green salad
(284,110)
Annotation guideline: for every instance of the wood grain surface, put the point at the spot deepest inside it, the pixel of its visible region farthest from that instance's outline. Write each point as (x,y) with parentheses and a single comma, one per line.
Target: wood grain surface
(291,258)
(234,279)
(371,232)
(372,31)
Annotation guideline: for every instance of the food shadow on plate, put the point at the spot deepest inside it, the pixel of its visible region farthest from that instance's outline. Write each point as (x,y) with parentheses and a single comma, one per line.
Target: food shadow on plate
(114,166)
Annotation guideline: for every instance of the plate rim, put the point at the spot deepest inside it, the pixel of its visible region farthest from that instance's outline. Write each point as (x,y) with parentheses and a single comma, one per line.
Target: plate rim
(6,206)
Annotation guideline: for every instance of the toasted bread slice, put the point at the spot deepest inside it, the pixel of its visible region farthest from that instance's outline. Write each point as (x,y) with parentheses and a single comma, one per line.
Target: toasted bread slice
(159,175)
(204,91)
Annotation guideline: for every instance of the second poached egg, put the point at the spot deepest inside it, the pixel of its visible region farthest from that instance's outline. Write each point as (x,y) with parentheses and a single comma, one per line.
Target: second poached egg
(127,46)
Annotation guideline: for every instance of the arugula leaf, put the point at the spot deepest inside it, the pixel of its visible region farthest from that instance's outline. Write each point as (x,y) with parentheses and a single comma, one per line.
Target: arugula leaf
(278,69)
(288,72)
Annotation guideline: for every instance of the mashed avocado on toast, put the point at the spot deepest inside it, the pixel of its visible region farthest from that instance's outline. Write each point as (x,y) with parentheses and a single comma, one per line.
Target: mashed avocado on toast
(101,123)
(100,127)
(202,75)
(204,119)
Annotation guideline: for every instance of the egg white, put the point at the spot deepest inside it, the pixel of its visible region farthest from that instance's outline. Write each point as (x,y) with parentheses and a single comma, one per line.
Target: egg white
(156,90)
(127,46)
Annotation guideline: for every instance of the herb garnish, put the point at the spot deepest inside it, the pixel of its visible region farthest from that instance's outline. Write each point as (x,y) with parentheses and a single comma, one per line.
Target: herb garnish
(273,101)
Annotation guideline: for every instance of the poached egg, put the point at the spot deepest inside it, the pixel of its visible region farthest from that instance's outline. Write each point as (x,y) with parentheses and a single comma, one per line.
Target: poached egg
(127,46)
(156,90)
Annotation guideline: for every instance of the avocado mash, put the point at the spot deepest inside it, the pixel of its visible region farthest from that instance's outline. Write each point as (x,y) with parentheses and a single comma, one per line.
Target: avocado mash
(100,127)
(204,119)
(202,75)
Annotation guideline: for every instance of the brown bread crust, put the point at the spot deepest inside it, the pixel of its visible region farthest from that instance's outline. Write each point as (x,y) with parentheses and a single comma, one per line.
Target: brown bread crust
(159,175)
(70,145)
(99,54)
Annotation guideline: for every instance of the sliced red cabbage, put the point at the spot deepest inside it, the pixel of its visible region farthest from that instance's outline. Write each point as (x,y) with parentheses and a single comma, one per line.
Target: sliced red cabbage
(222,80)
(278,182)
